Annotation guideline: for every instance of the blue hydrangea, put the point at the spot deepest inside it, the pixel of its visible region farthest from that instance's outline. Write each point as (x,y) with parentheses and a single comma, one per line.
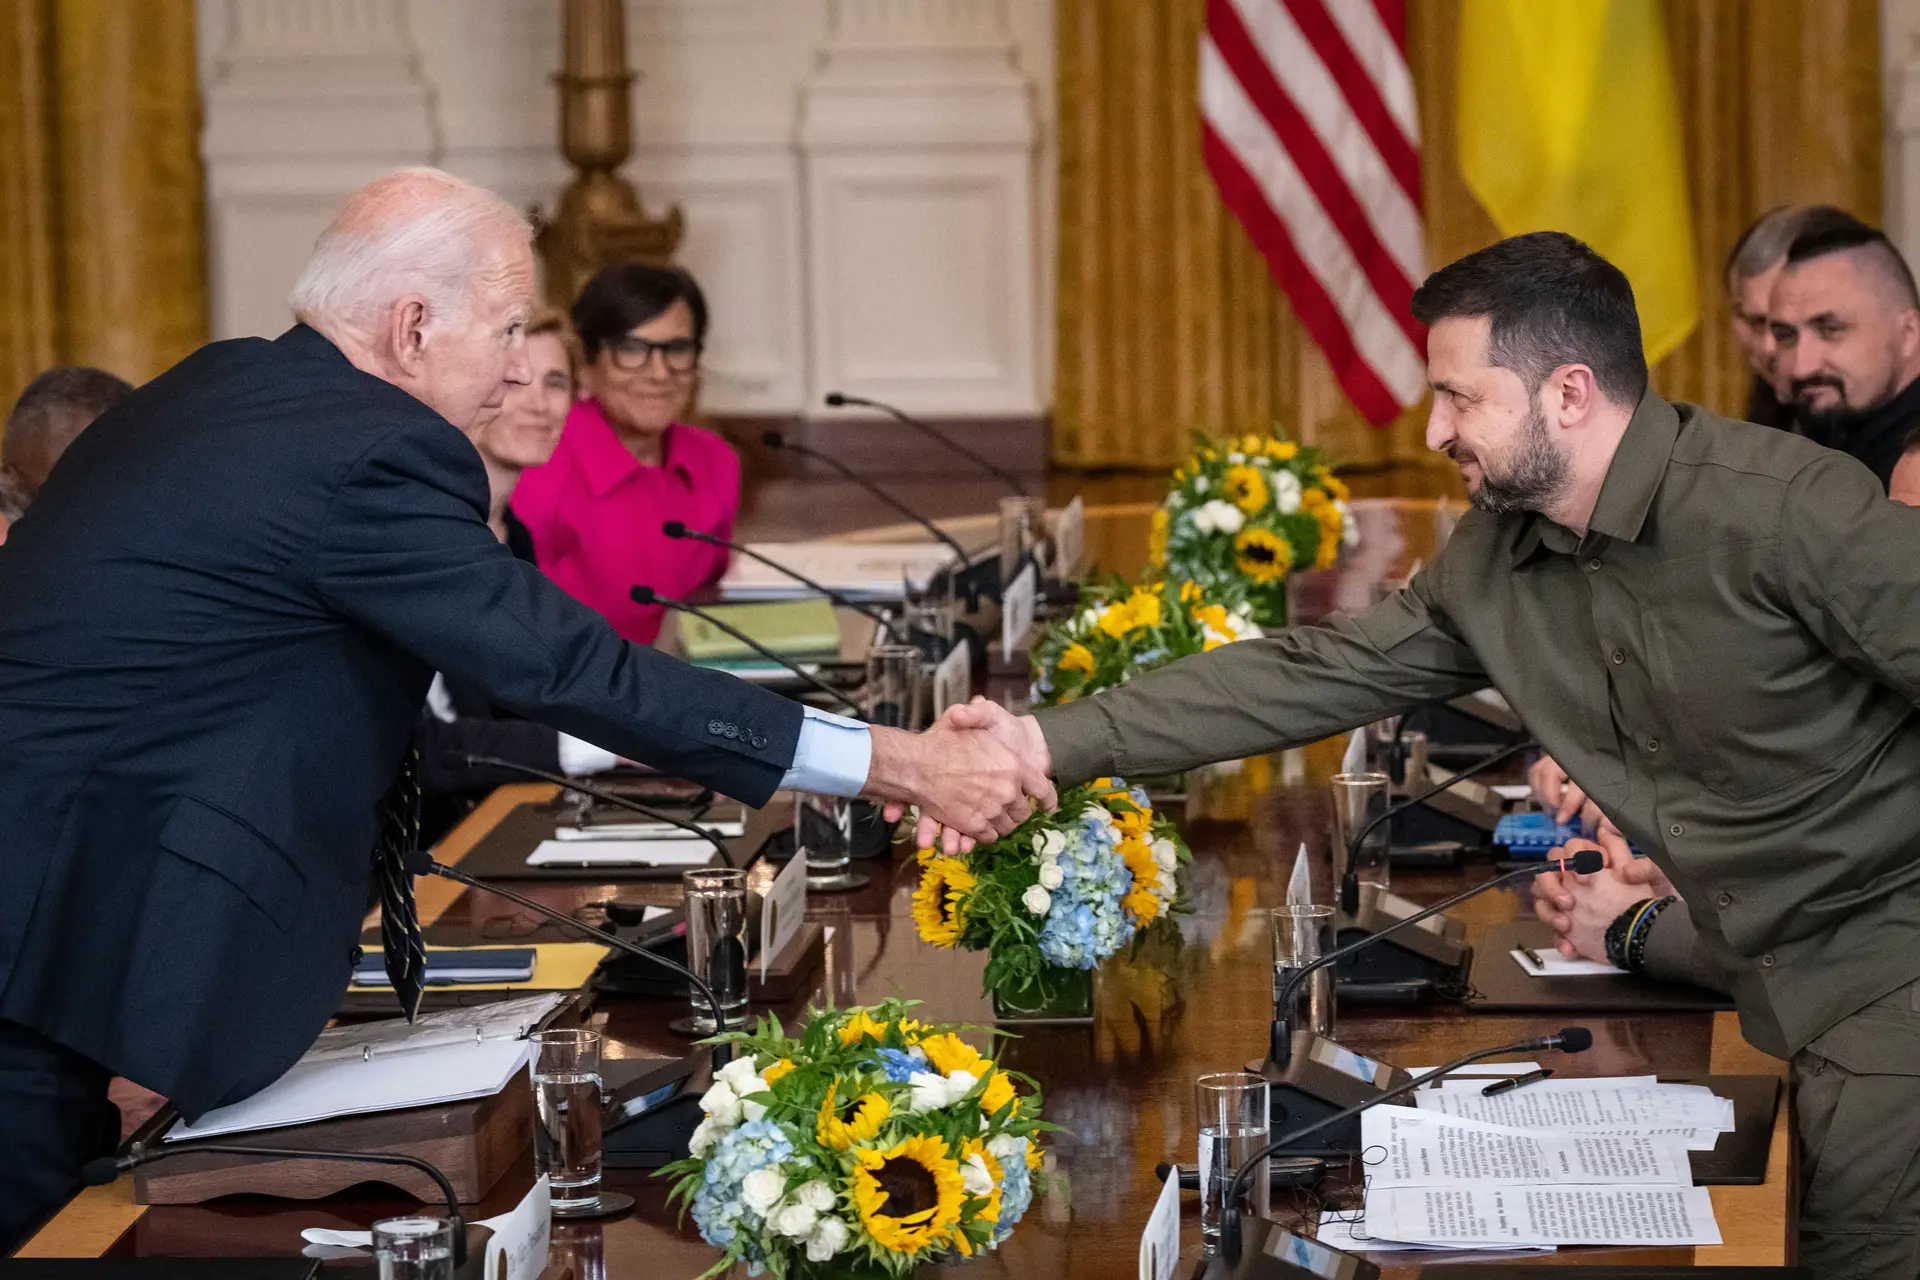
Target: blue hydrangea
(900,1064)
(1016,1193)
(718,1209)
(1085,924)
(1151,657)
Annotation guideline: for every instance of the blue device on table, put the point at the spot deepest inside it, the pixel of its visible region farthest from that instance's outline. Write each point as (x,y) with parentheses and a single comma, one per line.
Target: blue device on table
(1533,835)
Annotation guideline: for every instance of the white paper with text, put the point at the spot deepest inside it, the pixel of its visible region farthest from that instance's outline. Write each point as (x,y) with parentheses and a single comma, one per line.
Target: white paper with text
(1406,1147)
(1466,1217)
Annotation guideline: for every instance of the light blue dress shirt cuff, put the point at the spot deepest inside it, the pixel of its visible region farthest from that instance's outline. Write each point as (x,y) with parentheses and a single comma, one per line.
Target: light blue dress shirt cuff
(832,756)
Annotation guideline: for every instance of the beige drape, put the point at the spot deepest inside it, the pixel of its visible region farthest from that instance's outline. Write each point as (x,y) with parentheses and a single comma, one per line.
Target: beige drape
(101,189)
(1168,320)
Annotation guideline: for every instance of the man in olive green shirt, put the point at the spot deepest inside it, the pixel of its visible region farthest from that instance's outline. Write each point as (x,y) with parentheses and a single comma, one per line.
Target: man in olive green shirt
(1713,626)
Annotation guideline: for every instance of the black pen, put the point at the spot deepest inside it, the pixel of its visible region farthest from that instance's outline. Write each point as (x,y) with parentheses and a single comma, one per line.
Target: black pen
(1514,1082)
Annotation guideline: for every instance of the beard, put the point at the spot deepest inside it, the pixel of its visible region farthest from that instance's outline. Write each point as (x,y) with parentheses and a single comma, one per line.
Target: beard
(1532,476)
(1827,426)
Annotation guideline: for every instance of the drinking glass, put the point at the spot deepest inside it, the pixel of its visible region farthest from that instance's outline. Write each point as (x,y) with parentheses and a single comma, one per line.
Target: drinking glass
(1023,524)
(416,1248)
(1359,798)
(893,686)
(1300,936)
(1232,1109)
(717,944)
(567,1103)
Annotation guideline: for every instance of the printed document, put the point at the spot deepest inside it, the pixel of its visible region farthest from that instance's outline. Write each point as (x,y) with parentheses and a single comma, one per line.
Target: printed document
(1626,1105)
(1472,1217)
(1409,1147)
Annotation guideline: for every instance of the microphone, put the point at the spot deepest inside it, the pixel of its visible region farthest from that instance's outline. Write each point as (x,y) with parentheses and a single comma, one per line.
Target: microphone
(1350,882)
(419,862)
(1566,1040)
(774,440)
(647,595)
(610,797)
(838,399)
(678,529)
(1585,862)
(98,1173)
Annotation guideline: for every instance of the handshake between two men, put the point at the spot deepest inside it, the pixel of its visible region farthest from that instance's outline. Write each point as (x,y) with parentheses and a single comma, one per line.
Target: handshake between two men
(978,773)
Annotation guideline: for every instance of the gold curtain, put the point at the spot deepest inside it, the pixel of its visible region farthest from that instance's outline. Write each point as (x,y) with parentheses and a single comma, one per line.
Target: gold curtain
(1167,318)
(101,198)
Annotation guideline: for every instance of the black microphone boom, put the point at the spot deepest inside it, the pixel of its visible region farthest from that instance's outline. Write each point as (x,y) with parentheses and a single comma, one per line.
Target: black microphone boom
(1350,881)
(1585,862)
(774,440)
(1567,1040)
(421,863)
(837,399)
(98,1173)
(678,529)
(647,595)
(611,797)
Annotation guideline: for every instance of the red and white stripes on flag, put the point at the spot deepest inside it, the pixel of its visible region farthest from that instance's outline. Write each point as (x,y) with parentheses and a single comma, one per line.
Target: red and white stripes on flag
(1312,136)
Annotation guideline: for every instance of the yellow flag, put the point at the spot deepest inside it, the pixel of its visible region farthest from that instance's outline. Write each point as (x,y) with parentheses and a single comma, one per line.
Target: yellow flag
(1568,122)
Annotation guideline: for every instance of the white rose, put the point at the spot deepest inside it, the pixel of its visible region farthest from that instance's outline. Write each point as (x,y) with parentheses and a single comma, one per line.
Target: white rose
(1007,1148)
(1056,843)
(761,1189)
(930,1092)
(795,1221)
(1349,527)
(816,1195)
(722,1104)
(1218,517)
(1036,899)
(1286,492)
(1050,877)
(751,1110)
(960,1084)
(829,1237)
(1199,484)
(704,1136)
(974,1177)
(1236,457)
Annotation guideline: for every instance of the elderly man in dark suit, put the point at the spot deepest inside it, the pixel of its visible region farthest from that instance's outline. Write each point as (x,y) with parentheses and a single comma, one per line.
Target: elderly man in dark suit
(219,627)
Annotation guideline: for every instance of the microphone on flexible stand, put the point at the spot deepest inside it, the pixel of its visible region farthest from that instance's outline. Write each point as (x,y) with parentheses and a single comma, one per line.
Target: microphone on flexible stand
(838,399)
(962,561)
(98,1173)
(610,797)
(1350,882)
(1566,1040)
(647,595)
(678,529)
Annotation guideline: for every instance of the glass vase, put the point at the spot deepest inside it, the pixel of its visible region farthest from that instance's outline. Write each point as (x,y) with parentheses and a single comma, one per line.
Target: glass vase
(1057,995)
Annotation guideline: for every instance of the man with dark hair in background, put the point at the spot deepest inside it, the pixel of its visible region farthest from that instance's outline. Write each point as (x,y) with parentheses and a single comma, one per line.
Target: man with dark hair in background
(1846,326)
(56,406)
(1714,626)
(1753,264)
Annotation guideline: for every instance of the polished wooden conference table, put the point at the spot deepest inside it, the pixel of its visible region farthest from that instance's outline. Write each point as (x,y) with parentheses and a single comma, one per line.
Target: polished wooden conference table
(1122,1089)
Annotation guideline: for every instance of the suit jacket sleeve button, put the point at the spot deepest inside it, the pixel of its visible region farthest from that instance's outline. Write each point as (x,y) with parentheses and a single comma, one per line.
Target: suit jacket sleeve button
(716,727)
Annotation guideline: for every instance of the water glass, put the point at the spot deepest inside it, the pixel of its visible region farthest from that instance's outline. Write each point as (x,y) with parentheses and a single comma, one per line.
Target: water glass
(1232,1109)
(893,686)
(1023,523)
(1359,798)
(417,1248)
(567,1104)
(1300,936)
(717,944)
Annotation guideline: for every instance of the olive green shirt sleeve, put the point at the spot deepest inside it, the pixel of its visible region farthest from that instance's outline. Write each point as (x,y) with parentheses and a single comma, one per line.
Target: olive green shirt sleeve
(1256,696)
(1675,953)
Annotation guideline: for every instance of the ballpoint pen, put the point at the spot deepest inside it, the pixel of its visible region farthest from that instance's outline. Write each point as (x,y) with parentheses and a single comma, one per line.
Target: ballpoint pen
(1514,1082)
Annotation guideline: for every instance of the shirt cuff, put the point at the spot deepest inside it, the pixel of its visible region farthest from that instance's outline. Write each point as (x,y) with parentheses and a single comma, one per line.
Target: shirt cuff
(832,756)
(578,757)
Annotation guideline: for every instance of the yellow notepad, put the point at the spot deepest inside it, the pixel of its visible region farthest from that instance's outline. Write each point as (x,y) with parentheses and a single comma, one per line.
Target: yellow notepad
(791,628)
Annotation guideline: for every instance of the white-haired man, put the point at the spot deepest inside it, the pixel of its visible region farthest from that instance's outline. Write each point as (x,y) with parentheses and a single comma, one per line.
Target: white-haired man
(220,625)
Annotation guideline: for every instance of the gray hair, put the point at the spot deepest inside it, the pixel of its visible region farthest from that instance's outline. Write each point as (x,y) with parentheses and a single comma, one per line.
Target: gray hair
(14,498)
(416,230)
(56,406)
(1764,244)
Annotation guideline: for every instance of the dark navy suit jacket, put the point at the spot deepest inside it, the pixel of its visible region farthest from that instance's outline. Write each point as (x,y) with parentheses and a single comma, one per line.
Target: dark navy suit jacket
(217,626)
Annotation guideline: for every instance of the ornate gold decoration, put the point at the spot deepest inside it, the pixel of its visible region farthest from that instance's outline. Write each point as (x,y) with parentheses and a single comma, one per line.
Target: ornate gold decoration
(600,220)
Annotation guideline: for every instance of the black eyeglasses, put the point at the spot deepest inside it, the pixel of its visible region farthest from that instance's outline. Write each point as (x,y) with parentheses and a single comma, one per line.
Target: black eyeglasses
(679,355)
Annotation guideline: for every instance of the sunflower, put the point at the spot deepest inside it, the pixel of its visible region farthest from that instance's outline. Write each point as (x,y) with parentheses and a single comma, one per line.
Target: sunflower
(940,903)
(1141,901)
(1263,555)
(1331,483)
(948,1053)
(1246,489)
(1190,592)
(1157,538)
(1282,450)
(909,1195)
(841,1127)
(1076,657)
(777,1070)
(1330,524)
(862,1027)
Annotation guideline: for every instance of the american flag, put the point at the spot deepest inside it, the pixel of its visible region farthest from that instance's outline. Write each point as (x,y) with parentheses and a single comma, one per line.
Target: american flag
(1313,139)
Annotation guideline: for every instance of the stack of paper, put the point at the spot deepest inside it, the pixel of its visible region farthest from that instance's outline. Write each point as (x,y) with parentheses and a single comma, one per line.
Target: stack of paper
(874,571)
(1618,1105)
(1437,1179)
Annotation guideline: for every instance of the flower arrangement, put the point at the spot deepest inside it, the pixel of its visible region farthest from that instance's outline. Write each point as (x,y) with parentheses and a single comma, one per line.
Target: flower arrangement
(1120,632)
(869,1144)
(1058,896)
(1244,514)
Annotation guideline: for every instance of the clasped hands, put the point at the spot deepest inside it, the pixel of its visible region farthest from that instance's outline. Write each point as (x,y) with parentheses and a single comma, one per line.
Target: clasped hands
(1581,907)
(975,775)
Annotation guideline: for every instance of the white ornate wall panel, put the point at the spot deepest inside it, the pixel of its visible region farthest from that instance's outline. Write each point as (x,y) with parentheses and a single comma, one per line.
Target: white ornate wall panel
(866,187)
